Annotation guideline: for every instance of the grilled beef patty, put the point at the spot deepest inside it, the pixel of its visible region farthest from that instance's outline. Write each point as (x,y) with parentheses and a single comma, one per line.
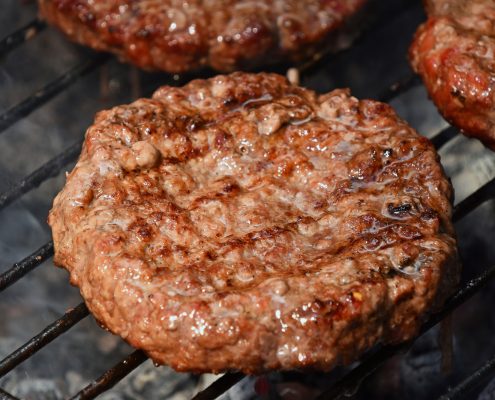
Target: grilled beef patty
(454,52)
(244,223)
(177,36)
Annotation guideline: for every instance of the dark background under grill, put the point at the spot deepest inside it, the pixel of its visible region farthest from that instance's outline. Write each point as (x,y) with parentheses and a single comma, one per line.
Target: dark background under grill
(50,91)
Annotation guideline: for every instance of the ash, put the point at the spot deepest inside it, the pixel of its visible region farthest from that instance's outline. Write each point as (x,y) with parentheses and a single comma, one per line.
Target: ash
(64,367)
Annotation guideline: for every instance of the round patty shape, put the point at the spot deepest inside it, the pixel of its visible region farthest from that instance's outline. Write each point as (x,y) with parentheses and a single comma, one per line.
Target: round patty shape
(178,36)
(244,223)
(454,54)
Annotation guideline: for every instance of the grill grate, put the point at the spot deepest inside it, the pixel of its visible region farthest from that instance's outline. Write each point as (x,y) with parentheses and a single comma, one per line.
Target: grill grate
(352,380)
(111,376)
(7,396)
(219,386)
(37,99)
(479,376)
(444,136)
(18,37)
(346,385)
(51,332)
(48,170)
(18,270)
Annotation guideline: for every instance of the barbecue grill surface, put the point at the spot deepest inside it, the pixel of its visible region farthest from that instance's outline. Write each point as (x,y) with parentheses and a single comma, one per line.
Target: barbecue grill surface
(48,127)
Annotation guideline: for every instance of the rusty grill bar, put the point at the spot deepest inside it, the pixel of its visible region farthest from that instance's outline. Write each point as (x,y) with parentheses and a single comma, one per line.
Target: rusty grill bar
(340,389)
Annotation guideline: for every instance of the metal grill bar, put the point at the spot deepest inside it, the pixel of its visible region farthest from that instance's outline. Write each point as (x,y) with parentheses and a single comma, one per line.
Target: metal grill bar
(471,382)
(36,178)
(7,396)
(462,209)
(21,268)
(353,379)
(219,387)
(227,380)
(484,193)
(53,167)
(350,382)
(444,136)
(52,331)
(400,87)
(10,42)
(25,107)
(381,20)
(112,376)
(115,374)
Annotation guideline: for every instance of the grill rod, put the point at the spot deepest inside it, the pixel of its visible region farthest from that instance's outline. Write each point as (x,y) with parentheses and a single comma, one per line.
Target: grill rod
(484,193)
(385,17)
(220,386)
(469,204)
(471,382)
(403,85)
(48,170)
(353,378)
(10,42)
(31,103)
(7,396)
(54,166)
(111,376)
(444,136)
(21,268)
(348,384)
(51,332)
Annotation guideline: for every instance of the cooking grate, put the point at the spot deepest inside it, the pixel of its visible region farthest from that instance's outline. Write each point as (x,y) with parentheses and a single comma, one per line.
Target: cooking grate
(343,387)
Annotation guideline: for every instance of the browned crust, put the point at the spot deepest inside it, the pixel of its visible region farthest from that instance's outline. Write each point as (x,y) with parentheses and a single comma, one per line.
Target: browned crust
(243,223)
(453,52)
(224,35)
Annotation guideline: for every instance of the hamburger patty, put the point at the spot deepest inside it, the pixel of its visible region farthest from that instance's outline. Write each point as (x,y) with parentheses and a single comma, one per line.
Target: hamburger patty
(454,52)
(244,223)
(177,36)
